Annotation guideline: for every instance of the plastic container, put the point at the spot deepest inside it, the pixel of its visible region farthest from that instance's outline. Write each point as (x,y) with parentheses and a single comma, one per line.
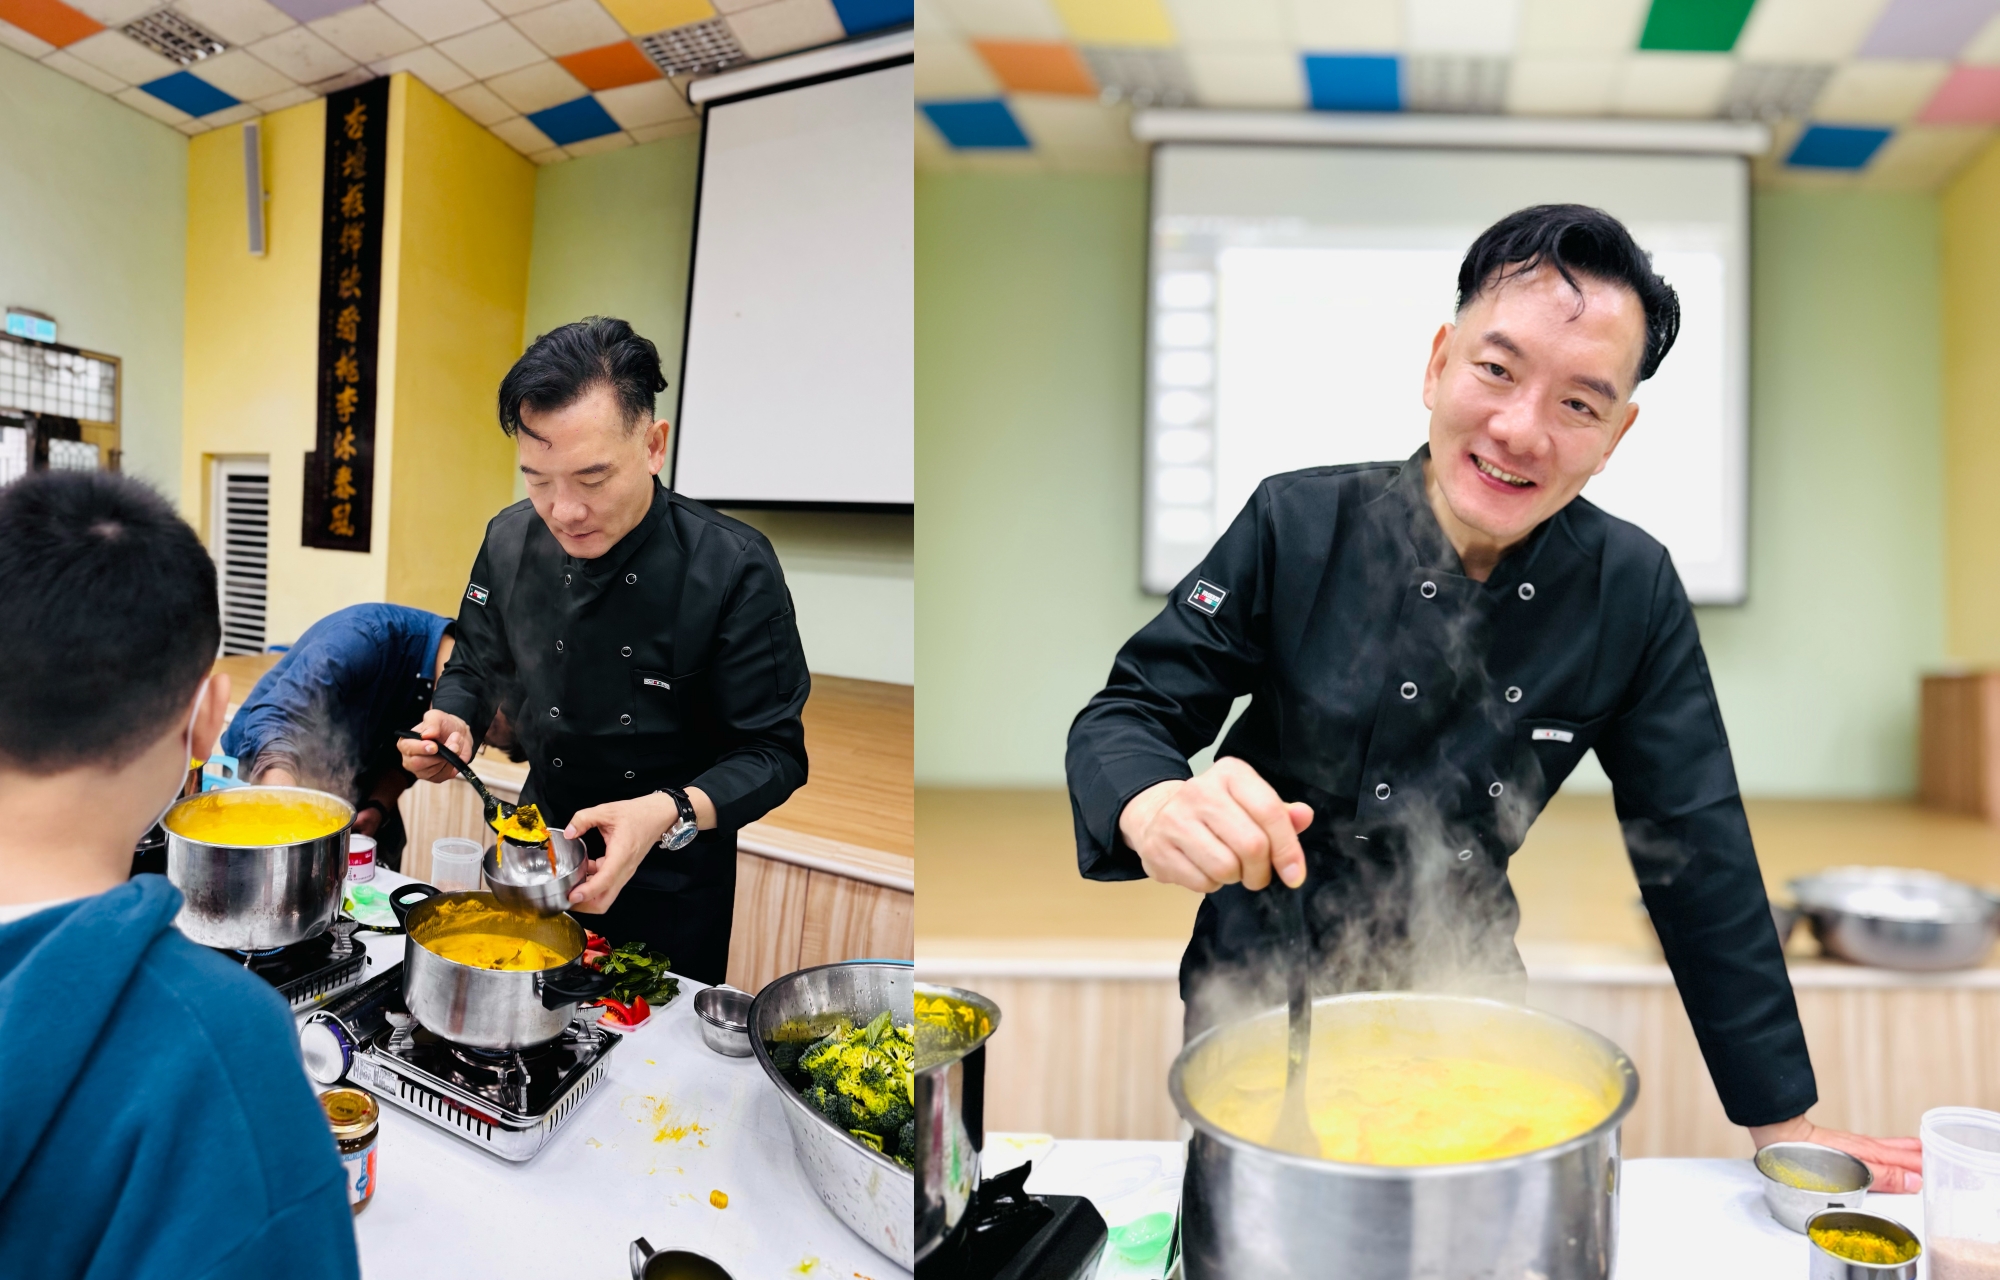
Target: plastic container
(1962,1193)
(455,864)
(360,857)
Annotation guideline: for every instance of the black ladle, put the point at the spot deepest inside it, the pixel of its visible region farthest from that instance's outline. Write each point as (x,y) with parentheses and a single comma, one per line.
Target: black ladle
(1295,1132)
(496,808)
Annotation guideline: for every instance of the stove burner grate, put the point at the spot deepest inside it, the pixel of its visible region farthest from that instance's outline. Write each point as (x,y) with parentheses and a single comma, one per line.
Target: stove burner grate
(307,973)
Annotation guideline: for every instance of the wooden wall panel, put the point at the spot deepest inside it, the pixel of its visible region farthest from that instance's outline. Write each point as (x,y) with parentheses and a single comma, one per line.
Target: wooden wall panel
(848,920)
(432,811)
(770,917)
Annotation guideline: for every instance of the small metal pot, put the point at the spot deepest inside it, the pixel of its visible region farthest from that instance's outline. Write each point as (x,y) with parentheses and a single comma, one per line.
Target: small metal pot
(252,897)
(491,1008)
(649,1263)
(1831,1266)
(951,1120)
(519,874)
(725,1019)
(1791,1205)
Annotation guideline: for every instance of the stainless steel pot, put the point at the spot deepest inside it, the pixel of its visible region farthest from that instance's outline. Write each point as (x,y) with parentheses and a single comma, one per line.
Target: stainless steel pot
(490,1008)
(1898,918)
(867,1190)
(520,875)
(1248,1210)
(252,897)
(951,1109)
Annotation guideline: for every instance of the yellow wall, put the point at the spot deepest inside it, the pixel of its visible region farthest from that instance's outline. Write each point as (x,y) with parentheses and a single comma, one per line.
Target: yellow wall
(462,207)
(1971,273)
(455,266)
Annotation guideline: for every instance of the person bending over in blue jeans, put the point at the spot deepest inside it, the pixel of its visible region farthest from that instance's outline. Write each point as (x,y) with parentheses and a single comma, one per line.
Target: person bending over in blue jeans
(157,1121)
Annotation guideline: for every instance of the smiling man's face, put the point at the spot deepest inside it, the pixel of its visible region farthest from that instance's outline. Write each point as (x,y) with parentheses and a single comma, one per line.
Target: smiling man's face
(1528,397)
(589,469)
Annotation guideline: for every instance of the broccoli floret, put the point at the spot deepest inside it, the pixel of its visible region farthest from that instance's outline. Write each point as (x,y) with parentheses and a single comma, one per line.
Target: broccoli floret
(862,1079)
(906,1142)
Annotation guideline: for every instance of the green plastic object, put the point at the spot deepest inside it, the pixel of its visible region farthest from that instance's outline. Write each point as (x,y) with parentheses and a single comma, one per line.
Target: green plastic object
(1143,1238)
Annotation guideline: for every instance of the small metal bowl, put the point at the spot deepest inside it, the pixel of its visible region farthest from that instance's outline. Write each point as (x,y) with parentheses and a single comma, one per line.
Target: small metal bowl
(1897,918)
(1831,1266)
(519,874)
(649,1263)
(1791,1205)
(725,1019)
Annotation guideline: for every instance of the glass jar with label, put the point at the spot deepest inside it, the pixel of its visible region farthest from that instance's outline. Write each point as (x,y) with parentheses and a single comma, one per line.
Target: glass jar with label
(355,1118)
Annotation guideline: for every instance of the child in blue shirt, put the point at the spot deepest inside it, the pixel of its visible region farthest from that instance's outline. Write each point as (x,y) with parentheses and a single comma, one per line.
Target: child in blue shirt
(157,1121)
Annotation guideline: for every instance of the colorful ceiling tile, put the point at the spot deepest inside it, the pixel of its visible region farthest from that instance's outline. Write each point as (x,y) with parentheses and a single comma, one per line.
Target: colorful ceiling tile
(1037,66)
(860,16)
(1829,146)
(610,66)
(50,20)
(1353,82)
(1694,26)
(1143,23)
(643,17)
(194,96)
(978,125)
(574,121)
(1970,96)
(22,43)
(1927,28)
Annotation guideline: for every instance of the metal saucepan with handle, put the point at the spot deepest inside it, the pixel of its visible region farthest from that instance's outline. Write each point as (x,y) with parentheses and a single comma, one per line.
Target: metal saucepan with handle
(254,896)
(490,1008)
(953,1026)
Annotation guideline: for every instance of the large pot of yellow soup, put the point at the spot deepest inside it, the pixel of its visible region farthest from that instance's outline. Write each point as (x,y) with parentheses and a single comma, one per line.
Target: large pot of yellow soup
(257,867)
(489,976)
(1457,1137)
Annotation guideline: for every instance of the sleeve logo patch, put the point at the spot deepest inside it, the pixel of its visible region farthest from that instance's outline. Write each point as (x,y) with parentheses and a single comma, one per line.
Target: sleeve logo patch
(1207,597)
(655,683)
(476,594)
(1551,735)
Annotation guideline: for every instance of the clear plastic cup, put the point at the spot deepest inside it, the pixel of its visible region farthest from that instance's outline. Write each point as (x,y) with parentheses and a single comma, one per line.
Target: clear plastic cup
(455,864)
(1962,1193)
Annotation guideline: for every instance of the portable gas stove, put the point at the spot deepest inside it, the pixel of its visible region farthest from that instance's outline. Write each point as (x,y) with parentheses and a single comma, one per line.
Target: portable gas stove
(308,974)
(506,1103)
(1008,1234)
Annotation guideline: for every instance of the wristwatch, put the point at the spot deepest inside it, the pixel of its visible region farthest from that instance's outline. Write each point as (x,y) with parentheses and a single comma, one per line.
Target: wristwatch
(684,830)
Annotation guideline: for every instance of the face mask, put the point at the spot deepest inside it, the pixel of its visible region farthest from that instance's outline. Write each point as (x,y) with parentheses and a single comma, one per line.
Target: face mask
(187,753)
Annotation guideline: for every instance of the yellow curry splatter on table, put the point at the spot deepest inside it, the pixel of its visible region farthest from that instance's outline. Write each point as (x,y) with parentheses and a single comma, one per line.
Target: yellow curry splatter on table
(1407,1109)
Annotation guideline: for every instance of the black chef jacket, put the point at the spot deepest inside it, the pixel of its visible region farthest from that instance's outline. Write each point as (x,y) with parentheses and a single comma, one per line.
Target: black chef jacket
(1427,718)
(671,660)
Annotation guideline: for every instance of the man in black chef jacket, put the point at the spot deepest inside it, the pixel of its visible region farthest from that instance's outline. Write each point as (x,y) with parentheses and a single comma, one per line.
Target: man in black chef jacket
(1429,648)
(642,644)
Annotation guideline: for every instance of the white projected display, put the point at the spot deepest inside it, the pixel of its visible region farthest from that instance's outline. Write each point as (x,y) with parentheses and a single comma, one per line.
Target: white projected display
(1296,292)
(796,386)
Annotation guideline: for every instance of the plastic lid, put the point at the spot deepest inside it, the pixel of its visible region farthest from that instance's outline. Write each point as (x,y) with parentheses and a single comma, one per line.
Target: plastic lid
(1963,1135)
(351,1112)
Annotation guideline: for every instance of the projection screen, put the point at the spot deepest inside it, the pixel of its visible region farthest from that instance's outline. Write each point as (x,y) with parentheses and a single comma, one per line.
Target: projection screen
(797,378)
(1295,290)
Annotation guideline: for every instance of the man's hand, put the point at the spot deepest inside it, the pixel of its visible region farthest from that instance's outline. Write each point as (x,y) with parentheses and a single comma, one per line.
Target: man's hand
(631,829)
(367,822)
(421,758)
(1223,827)
(1897,1163)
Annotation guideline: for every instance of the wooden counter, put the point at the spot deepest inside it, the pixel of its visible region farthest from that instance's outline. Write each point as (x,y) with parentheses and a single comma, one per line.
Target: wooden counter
(1084,972)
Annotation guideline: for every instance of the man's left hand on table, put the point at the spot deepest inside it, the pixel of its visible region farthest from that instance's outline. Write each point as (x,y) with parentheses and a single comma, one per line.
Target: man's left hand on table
(1897,1163)
(631,829)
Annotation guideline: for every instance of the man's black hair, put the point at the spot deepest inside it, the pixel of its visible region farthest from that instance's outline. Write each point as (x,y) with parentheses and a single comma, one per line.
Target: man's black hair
(1574,239)
(563,364)
(110,620)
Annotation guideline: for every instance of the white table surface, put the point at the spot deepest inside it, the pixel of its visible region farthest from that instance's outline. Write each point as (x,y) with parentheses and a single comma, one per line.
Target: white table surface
(1676,1218)
(672,1121)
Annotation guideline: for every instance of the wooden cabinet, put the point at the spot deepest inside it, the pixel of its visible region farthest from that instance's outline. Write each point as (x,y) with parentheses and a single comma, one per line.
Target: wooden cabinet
(1958,757)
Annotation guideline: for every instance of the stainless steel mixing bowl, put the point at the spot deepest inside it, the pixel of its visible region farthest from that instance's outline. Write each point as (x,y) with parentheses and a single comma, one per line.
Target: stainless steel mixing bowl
(253,897)
(1792,1205)
(1898,918)
(872,1194)
(520,876)
(1250,1210)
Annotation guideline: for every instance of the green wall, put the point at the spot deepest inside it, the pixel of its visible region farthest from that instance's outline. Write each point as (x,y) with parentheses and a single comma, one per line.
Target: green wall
(612,237)
(93,231)
(1029,300)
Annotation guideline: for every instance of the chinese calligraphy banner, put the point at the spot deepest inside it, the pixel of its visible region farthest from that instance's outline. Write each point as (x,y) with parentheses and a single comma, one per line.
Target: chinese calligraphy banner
(340,471)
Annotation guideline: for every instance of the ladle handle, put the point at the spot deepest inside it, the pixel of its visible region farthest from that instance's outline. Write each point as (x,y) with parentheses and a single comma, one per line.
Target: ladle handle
(493,805)
(1298,964)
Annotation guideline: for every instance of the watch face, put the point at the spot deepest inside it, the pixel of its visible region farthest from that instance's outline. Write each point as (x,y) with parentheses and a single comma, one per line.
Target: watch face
(681,835)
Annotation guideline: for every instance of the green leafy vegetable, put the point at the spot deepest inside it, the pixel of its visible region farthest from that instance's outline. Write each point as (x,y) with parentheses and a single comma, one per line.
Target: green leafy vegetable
(637,974)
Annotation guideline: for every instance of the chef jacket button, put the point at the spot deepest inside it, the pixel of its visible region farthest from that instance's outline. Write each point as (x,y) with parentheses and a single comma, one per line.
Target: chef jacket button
(1527,591)
(557,762)
(555,713)
(1495,790)
(628,775)
(1513,693)
(1428,590)
(625,719)
(1409,689)
(631,578)
(1381,791)
(559,646)
(1465,855)
(626,652)
(565,579)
